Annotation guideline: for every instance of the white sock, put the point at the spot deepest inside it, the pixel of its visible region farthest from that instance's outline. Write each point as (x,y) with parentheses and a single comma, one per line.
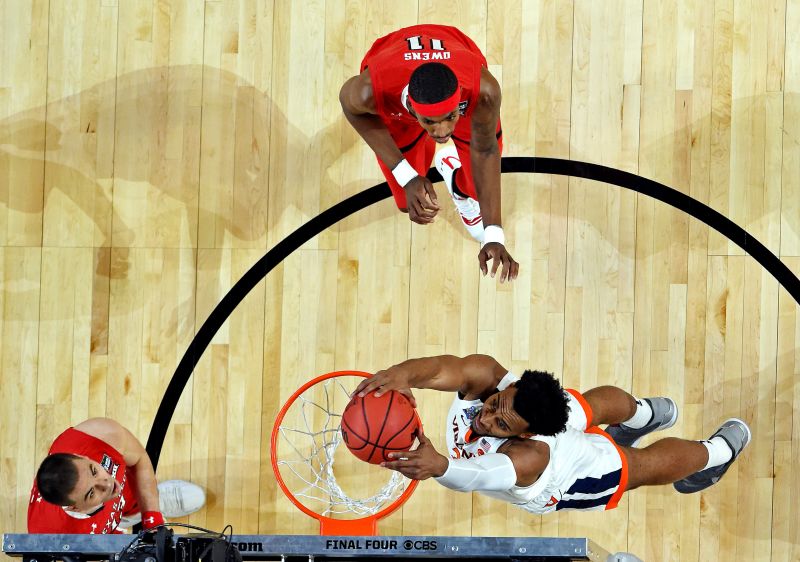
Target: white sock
(718,452)
(643,415)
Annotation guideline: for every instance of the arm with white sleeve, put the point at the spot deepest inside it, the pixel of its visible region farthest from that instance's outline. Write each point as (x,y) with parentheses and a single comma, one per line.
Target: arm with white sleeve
(493,471)
(490,472)
(520,462)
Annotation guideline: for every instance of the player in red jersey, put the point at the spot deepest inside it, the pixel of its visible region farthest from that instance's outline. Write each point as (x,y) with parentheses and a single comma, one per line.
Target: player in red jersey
(435,77)
(95,475)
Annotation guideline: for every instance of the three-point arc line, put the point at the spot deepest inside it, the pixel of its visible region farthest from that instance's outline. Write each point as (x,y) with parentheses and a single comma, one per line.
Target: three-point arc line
(343,209)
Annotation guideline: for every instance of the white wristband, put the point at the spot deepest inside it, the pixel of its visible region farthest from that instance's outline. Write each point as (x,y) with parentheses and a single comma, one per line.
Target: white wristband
(404,173)
(494,233)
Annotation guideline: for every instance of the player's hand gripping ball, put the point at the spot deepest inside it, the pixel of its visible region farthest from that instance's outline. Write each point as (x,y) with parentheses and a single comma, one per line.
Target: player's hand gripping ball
(372,427)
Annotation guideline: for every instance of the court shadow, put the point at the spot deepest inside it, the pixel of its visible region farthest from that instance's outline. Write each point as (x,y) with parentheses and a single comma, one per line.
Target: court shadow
(182,156)
(739,163)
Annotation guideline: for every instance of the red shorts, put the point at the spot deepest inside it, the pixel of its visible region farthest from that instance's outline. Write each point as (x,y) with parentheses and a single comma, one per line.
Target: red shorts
(418,148)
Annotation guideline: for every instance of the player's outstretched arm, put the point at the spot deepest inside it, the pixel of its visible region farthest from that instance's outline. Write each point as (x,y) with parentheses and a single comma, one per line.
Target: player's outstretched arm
(135,456)
(485,155)
(473,375)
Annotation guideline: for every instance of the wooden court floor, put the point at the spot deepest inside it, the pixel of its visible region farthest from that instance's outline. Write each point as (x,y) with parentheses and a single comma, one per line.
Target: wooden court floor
(152,152)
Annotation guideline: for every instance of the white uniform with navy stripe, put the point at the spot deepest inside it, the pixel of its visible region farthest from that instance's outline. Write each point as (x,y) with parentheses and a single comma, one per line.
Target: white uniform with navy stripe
(586,470)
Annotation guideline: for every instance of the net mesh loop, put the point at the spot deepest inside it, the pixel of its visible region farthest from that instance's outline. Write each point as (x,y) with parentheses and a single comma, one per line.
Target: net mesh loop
(312,451)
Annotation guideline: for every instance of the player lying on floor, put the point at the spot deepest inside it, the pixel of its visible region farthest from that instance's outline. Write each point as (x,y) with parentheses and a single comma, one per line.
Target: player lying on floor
(98,475)
(531,443)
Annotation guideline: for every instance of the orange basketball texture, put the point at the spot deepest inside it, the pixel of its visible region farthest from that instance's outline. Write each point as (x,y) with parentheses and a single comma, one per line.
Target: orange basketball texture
(372,427)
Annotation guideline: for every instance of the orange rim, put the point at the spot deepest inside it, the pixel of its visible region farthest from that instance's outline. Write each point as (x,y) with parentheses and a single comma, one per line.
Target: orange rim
(340,525)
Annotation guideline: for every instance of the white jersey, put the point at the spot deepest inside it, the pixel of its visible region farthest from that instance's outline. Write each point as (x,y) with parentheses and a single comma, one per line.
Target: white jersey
(586,469)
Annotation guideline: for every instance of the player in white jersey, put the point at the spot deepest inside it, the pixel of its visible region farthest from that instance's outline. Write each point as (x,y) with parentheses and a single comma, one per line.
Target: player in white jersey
(527,441)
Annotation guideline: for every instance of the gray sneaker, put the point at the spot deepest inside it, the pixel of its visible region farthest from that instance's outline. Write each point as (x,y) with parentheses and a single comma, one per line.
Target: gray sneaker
(665,414)
(737,435)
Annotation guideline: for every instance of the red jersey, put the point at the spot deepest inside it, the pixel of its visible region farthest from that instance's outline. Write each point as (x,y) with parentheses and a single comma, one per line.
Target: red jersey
(393,58)
(44,517)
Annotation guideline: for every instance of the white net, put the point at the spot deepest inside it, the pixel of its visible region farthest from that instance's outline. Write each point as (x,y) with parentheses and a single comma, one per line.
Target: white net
(323,476)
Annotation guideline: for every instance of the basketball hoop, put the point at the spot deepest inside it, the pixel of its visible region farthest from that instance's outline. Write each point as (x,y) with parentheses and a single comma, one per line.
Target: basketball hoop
(307,426)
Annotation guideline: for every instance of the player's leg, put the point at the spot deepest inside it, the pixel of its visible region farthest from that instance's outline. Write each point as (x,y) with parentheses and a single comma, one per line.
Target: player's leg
(397,191)
(455,165)
(691,465)
(664,462)
(609,404)
(629,418)
(457,174)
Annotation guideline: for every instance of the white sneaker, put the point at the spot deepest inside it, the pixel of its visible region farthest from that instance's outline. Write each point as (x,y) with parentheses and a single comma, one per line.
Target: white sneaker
(178,498)
(447,162)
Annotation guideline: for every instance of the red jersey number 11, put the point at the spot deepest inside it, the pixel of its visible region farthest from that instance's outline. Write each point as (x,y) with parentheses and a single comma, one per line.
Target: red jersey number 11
(415,43)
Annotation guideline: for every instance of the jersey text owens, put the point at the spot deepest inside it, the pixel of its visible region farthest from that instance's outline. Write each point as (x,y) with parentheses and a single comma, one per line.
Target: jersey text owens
(427,56)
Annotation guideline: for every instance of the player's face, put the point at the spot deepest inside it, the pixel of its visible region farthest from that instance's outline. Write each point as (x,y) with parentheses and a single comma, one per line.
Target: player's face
(95,486)
(498,417)
(440,127)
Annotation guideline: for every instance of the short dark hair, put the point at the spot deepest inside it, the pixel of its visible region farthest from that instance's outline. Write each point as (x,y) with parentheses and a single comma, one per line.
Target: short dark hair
(541,402)
(57,477)
(432,82)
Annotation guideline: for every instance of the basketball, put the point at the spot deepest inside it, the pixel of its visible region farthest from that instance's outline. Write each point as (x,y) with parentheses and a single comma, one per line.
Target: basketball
(372,427)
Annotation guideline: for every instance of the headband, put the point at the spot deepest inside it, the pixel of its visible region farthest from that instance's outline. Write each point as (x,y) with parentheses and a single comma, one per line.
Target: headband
(439,108)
